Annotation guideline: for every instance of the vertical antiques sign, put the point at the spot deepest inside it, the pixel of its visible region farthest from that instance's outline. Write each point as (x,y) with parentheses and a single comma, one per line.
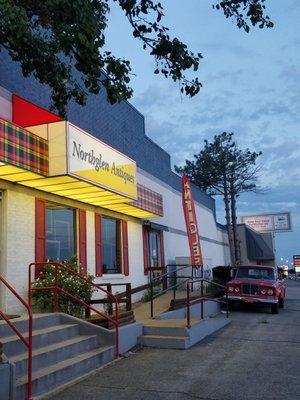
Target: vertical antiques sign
(191,222)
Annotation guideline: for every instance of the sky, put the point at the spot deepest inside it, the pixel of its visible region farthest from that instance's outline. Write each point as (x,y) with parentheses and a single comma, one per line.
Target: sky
(250,87)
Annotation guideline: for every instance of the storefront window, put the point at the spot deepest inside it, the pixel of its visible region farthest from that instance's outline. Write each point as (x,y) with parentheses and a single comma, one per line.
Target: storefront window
(153,249)
(60,232)
(111,246)
(154,240)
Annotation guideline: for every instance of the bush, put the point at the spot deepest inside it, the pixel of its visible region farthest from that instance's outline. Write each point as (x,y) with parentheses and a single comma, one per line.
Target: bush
(212,289)
(43,299)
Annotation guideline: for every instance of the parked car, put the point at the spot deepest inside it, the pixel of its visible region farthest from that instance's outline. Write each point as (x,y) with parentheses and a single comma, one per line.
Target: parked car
(257,284)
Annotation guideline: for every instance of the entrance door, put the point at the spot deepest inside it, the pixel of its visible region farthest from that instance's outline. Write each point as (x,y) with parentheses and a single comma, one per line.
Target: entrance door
(156,255)
(154,240)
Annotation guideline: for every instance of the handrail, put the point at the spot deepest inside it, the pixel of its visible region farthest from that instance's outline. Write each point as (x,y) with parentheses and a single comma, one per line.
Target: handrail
(166,275)
(57,290)
(202,298)
(182,266)
(26,341)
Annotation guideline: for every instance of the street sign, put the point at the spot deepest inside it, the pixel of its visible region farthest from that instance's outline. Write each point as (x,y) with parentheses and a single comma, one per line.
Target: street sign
(296,260)
(277,222)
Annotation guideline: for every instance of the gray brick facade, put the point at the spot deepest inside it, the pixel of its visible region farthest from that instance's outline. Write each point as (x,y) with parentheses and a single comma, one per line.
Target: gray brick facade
(120,125)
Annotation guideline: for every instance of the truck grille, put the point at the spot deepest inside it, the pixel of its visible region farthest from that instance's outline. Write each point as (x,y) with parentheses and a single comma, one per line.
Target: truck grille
(250,289)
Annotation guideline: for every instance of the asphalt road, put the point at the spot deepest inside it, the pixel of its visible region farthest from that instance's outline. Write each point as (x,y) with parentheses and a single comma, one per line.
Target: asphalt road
(256,357)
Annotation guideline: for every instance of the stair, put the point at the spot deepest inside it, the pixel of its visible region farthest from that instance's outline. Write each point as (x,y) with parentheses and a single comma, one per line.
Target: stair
(173,333)
(64,349)
(125,318)
(165,342)
(165,334)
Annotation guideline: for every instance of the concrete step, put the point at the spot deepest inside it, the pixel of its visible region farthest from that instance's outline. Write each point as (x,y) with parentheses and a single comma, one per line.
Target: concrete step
(54,353)
(39,321)
(56,375)
(165,330)
(165,342)
(12,345)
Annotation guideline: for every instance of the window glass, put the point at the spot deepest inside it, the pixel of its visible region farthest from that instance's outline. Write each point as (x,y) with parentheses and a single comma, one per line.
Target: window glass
(111,246)
(154,249)
(255,273)
(60,232)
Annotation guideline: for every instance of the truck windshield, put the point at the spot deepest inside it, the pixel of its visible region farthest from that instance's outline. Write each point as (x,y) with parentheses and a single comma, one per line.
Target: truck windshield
(255,273)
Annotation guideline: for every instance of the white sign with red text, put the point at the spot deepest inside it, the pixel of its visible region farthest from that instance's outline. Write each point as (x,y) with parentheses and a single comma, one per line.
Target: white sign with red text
(277,222)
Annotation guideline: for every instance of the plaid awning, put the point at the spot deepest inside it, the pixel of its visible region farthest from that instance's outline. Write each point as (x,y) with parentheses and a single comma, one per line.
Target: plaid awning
(24,159)
(149,200)
(22,148)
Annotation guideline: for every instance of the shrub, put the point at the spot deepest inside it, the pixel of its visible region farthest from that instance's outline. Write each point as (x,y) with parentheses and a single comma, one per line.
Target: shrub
(43,299)
(212,289)
(146,296)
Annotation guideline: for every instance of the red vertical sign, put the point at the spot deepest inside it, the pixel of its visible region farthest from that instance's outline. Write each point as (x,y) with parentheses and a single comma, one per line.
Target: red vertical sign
(191,222)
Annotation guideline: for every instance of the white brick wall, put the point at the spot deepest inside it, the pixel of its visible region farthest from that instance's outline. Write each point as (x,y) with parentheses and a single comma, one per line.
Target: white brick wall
(90,239)
(19,230)
(176,245)
(19,242)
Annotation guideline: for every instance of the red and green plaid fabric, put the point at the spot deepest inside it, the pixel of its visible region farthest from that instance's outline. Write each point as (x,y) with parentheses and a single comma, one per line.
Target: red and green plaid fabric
(22,148)
(149,200)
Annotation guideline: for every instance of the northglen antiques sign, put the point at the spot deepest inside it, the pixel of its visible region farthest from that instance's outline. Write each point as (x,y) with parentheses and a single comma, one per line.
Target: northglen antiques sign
(98,163)
(74,152)
(277,222)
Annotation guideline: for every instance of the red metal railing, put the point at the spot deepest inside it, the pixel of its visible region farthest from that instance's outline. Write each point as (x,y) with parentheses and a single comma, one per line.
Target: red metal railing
(57,290)
(202,298)
(27,341)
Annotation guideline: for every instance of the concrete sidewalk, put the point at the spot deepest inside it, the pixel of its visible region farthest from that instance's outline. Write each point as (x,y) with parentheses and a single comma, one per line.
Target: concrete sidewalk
(255,358)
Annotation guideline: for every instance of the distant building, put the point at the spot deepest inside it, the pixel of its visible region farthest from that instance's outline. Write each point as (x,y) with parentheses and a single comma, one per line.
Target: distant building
(255,247)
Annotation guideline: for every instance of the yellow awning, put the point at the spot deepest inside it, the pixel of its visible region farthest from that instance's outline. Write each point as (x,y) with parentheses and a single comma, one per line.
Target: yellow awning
(73,188)
(71,163)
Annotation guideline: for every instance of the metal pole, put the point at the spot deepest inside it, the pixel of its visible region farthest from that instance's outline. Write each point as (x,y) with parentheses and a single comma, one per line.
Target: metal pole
(117,328)
(29,286)
(29,383)
(188,316)
(227,306)
(56,306)
(174,283)
(151,296)
(202,297)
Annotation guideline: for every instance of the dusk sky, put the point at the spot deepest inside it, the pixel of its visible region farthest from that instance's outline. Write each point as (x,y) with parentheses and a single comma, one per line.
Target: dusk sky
(250,87)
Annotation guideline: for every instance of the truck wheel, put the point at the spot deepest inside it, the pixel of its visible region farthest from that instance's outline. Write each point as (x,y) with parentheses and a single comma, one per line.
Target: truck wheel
(281,303)
(274,308)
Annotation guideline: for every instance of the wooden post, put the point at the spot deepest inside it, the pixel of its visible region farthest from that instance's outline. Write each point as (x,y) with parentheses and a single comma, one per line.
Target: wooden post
(128,297)
(109,302)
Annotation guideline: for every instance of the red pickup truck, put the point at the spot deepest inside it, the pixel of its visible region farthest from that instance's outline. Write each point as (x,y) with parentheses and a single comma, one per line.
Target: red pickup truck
(257,284)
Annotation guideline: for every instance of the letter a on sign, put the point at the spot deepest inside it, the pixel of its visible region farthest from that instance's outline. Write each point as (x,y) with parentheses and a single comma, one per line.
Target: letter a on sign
(191,222)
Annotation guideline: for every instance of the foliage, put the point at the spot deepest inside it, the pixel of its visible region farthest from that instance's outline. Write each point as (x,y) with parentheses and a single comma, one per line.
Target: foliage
(43,299)
(60,43)
(245,12)
(212,289)
(221,168)
(146,296)
(221,163)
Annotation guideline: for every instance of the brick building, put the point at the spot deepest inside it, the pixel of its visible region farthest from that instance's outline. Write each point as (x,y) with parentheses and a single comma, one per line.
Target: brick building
(50,209)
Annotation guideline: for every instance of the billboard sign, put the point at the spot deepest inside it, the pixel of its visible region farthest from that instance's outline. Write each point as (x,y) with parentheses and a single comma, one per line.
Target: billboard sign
(296,261)
(277,222)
